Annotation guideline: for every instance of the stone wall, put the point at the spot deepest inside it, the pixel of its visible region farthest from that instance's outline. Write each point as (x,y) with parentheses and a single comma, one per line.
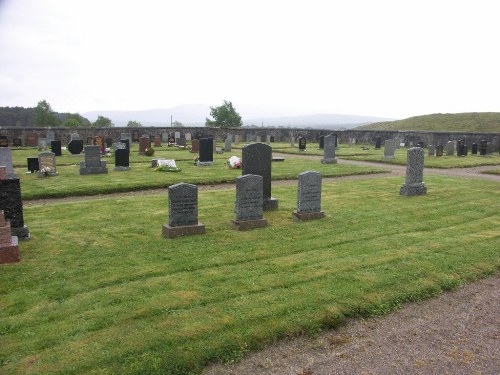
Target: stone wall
(259,134)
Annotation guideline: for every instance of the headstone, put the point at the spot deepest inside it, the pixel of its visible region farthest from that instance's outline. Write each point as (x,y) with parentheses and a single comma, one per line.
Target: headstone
(16,142)
(308,197)
(187,136)
(164,137)
(126,142)
(414,184)
(483,148)
(135,136)
(249,203)
(75,146)
(171,140)
(9,249)
(195,145)
(157,141)
(421,144)
(6,161)
(74,136)
(439,150)
(461,148)
(389,149)
(92,163)
(122,156)
(292,141)
(144,144)
(432,150)
(236,139)
(450,148)
(126,136)
(50,136)
(33,165)
(177,135)
(47,164)
(329,150)
(256,159)
(108,142)
(474,149)
(182,211)
(119,146)
(268,139)
(90,140)
(181,141)
(227,145)
(32,139)
(490,148)
(206,153)
(302,144)
(378,142)
(272,139)
(321,142)
(12,205)
(42,144)
(55,147)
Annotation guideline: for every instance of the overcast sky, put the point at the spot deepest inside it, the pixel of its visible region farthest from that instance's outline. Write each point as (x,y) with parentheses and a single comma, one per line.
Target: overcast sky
(379,58)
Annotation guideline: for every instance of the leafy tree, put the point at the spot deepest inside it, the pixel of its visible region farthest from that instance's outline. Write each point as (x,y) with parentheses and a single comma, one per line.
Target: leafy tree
(74,120)
(225,116)
(44,115)
(103,122)
(71,122)
(134,124)
(177,124)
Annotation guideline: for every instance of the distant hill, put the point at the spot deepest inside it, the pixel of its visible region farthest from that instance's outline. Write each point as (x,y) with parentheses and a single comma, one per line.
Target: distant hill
(481,122)
(25,117)
(195,114)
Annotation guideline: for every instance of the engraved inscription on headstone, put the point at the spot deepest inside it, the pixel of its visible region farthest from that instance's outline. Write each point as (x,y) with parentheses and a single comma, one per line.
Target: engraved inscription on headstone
(249,203)
(414,184)
(92,163)
(308,197)
(47,164)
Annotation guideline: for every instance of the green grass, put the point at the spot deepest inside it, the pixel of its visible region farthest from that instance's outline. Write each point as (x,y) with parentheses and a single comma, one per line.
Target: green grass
(99,291)
(143,177)
(492,171)
(482,122)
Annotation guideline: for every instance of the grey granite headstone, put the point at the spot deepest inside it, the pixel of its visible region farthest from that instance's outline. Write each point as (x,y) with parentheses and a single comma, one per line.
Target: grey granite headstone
(47,164)
(92,163)
(490,148)
(50,136)
(6,161)
(227,144)
(164,137)
(119,146)
(292,141)
(268,138)
(249,203)
(237,139)
(432,150)
(42,144)
(256,159)
(182,211)
(450,148)
(389,148)
(308,197)
(74,136)
(329,149)
(414,184)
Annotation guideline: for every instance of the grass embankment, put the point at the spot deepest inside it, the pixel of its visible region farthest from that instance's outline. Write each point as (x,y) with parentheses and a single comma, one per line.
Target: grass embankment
(143,177)
(99,290)
(481,122)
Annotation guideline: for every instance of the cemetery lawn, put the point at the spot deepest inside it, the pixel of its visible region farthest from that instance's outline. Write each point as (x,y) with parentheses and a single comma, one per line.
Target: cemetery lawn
(98,290)
(492,171)
(143,177)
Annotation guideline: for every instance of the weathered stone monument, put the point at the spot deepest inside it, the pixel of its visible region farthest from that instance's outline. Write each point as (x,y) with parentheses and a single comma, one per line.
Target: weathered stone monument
(414,184)
(227,144)
(195,145)
(439,150)
(144,144)
(308,197)
(432,150)
(483,148)
(389,149)
(6,161)
(302,144)
(47,164)
(92,163)
(256,159)
(182,211)
(329,150)
(249,203)
(12,205)
(450,148)
(9,249)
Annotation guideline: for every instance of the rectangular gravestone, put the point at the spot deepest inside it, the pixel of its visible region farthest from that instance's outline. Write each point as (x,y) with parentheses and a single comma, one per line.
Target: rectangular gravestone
(126,136)
(6,161)
(308,197)
(182,211)
(50,136)
(4,141)
(389,149)
(135,136)
(32,139)
(206,153)
(302,144)
(439,150)
(195,145)
(47,164)
(9,248)
(144,144)
(33,165)
(12,205)
(450,148)
(329,150)
(249,203)
(414,184)
(256,159)
(236,139)
(321,142)
(378,142)
(16,142)
(187,136)
(227,144)
(42,144)
(164,137)
(432,150)
(122,162)
(55,147)
(181,141)
(157,141)
(474,149)
(92,163)
(108,142)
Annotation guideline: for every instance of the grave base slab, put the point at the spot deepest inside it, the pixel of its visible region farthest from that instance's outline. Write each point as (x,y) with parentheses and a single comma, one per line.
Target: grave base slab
(182,230)
(305,216)
(329,161)
(413,189)
(248,224)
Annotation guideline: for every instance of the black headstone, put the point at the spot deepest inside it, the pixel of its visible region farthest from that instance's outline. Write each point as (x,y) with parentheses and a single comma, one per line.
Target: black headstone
(75,147)
(16,142)
(420,144)
(461,148)
(125,141)
(302,143)
(378,142)
(4,142)
(271,139)
(55,147)
(206,153)
(33,165)
(483,148)
(321,141)
(135,136)
(474,149)
(439,150)
(122,157)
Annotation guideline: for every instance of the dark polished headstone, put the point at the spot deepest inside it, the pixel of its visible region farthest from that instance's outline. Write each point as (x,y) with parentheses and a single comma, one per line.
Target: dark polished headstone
(12,205)
(321,141)
(256,159)
(122,160)
(378,142)
(302,144)
(206,153)
(55,147)
(33,165)
(16,142)
(474,149)
(92,163)
(483,148)
(75,147)
(439,150)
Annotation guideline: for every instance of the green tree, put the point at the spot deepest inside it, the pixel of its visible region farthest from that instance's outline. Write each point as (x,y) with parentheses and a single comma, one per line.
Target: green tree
(224,116)
(103,122)
(44,115)
(71,122)
(134,124)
